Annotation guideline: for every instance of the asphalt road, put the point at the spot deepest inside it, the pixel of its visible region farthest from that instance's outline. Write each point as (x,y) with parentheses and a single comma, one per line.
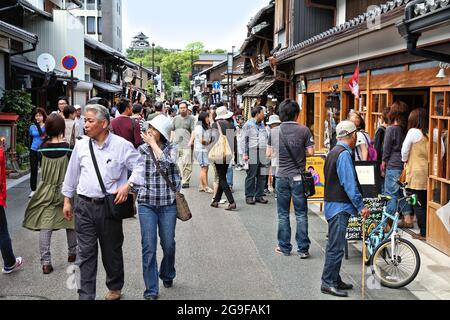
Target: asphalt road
(220,256)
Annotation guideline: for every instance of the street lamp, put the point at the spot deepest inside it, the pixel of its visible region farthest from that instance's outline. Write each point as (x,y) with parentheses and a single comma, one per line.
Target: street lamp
(232,76)
(153,68)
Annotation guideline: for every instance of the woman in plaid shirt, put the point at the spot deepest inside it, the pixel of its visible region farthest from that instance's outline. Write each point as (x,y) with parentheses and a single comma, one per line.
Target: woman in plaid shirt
(157,205)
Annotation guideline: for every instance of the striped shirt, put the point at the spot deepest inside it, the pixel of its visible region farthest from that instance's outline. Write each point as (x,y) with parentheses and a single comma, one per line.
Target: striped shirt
(155,191)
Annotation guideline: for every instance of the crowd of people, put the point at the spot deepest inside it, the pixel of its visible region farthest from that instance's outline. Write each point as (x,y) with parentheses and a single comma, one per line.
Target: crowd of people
(87,154)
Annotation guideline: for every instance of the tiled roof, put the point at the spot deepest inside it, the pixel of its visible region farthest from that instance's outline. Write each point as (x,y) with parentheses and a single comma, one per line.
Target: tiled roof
(430,6)
(18,33)
(351,24)
(257,18)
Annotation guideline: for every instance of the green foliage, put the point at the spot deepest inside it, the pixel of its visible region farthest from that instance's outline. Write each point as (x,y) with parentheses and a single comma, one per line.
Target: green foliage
(21,149)
(170,61)
(19,102)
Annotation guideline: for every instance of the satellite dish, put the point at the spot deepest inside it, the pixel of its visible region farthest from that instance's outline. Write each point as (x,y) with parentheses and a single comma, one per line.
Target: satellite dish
(46,62)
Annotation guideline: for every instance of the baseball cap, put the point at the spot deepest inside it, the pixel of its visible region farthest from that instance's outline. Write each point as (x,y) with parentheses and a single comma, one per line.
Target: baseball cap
(77,107)
(345,128)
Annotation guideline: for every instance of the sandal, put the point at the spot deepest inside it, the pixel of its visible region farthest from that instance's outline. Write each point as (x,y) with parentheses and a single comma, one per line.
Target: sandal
(416,236)
(209,190)
(278,251)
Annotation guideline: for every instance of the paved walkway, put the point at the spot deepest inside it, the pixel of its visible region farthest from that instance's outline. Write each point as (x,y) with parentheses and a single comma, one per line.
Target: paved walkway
(220,255)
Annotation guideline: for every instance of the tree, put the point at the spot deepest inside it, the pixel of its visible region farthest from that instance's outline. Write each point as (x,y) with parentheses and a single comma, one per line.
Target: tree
(171,62)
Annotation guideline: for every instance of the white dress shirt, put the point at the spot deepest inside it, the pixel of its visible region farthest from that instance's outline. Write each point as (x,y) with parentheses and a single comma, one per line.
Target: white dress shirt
(115,158)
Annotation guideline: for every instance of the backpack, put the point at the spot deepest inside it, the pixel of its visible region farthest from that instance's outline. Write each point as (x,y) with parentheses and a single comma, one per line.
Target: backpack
(373,153)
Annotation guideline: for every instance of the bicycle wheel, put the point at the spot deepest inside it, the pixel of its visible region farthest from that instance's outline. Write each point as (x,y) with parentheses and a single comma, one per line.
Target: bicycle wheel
(398,272)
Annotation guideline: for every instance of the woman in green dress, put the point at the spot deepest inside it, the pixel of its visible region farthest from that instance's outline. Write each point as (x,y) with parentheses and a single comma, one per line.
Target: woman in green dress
(45,210)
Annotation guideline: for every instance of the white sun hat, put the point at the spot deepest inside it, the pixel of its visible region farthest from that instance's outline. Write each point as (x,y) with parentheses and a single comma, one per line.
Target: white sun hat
(163,125)
(223,113)
(274,120)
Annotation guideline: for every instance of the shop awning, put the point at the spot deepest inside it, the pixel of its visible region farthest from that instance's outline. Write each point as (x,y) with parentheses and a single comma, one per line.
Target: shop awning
(17,34)
(84,86)
(249,80)
(108,87)
(260,88)
(96,45)
(91,64)
(23,63)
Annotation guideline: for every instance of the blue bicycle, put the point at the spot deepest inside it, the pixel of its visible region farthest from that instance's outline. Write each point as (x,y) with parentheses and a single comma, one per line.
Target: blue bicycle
(395,261)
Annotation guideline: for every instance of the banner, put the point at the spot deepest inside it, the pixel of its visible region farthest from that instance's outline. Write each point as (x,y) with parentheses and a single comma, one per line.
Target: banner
(316,165)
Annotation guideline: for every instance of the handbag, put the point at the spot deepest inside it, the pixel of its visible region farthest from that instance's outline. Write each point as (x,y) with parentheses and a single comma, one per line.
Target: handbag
(221,152)
(122,211)
(309,185)
(183,211)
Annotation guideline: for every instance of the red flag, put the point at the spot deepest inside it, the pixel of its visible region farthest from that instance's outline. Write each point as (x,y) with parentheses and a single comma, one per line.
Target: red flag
(354,83)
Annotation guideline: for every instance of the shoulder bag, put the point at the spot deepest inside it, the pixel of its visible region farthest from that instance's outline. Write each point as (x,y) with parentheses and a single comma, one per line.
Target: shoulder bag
(221,152)
(307,177)
(183,211)
(122,211)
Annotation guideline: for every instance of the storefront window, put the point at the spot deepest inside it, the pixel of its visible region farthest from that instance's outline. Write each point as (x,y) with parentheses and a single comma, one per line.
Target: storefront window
(439,105)
(440,160)
(380,101)
(361,105)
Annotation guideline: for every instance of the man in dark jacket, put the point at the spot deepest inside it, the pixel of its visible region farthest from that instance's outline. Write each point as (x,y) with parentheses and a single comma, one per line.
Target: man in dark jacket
(343,199)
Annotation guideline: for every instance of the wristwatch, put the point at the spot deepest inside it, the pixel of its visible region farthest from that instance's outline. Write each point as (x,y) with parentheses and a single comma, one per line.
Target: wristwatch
(131,185)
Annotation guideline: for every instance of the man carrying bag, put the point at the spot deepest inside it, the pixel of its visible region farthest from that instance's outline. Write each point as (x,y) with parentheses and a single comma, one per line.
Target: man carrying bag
(294,143)
(97,209)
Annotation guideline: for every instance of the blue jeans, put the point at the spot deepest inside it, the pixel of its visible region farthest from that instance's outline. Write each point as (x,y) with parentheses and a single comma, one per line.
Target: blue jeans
(6,249)
(287,189)
(230,176)
(337,229)
(392,189)
(151,218)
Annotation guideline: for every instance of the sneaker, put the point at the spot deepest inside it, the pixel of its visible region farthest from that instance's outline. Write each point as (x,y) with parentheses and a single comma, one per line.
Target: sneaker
(17,266)
(304,255)
(223,201)
(31,194)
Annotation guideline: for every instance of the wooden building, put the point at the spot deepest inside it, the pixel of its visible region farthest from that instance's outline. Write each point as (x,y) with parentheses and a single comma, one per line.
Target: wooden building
(322,66)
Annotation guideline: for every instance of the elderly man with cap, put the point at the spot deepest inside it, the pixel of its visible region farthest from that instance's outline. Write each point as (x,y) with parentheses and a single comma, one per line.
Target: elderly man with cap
(94,223)
(79,120)
(157,205)
(343,199)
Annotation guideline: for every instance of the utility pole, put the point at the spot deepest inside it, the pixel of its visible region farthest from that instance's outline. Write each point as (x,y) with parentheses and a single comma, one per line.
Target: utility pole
(153,70)
(192,74)
(232,75)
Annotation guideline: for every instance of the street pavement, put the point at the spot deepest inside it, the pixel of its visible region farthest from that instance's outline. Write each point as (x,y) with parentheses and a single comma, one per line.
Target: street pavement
(220,256)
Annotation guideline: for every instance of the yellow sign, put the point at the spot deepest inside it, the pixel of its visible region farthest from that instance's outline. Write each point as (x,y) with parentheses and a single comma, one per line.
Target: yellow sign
(316,165)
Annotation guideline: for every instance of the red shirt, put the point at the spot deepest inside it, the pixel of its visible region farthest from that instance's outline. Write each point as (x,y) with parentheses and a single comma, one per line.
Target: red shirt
(123,127)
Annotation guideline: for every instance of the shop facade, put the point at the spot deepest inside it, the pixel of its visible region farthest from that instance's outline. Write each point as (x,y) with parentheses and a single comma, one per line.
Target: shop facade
(324,65)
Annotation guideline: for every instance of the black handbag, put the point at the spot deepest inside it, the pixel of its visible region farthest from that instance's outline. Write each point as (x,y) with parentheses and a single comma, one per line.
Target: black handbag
(307,178)
(122,211)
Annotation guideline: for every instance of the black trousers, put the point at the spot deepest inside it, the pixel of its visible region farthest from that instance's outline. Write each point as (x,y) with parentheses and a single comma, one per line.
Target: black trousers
(93,228)
(223,184)
(35,160)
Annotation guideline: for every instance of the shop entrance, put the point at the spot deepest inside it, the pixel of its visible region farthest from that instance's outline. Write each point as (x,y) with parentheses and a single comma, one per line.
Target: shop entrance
(419,98)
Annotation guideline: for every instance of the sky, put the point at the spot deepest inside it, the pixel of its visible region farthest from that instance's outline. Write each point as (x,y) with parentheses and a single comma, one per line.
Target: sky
(173,24)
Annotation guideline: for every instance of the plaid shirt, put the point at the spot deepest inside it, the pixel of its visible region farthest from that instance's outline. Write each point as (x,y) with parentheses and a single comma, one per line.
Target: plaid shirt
(155,191)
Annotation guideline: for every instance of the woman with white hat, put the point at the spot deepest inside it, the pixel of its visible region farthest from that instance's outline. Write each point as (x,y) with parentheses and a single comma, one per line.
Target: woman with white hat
(224,122)
(157,205)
